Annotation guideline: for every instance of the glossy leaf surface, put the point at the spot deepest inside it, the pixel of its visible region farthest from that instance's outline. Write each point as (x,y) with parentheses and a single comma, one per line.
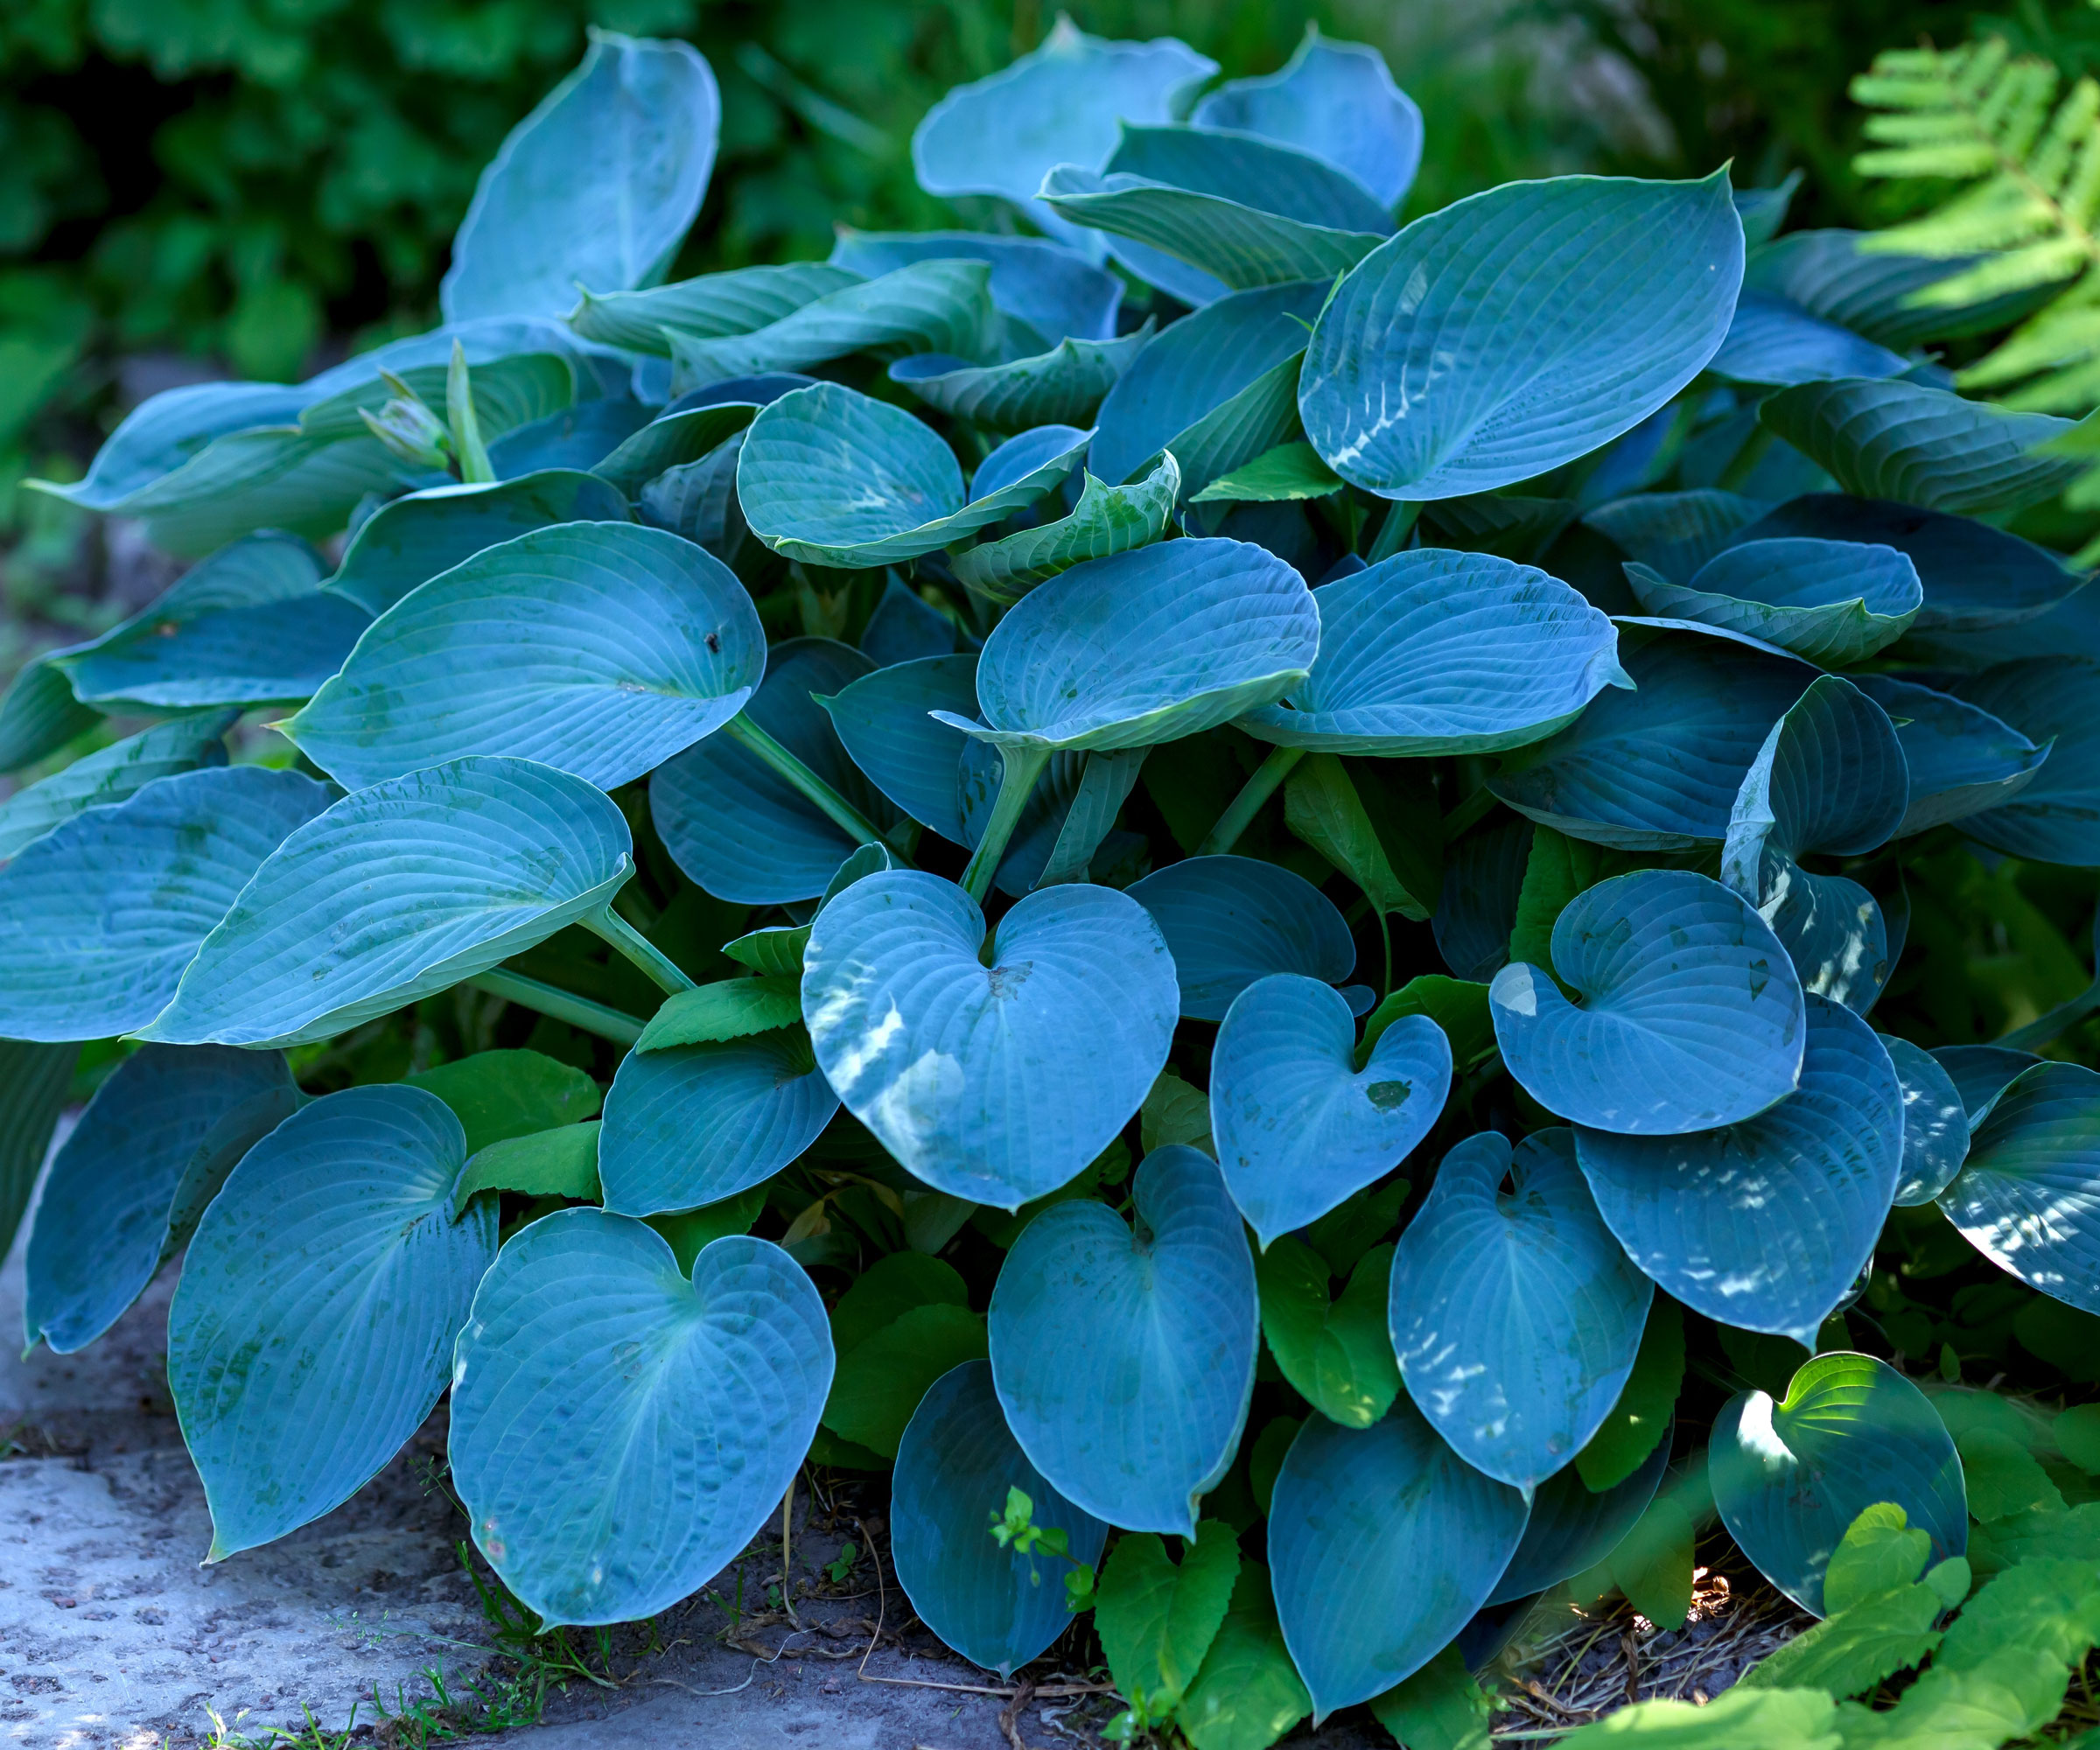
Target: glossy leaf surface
(2025,1198)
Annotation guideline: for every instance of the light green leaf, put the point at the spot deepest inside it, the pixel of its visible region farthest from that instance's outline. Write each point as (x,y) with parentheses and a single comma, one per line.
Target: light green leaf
(1458,1006)
(2002,1478)
(498,1095)
(1741,1719)
(1321,806)
(1157,1619)
(1290,471)
(880,1381)
(1641,1415)
(731,1009)
(1248,1694)
(1337,1355)
(1174,1112)
(1106,519)
(560,1162)
(1879,1553)
(1440,1708)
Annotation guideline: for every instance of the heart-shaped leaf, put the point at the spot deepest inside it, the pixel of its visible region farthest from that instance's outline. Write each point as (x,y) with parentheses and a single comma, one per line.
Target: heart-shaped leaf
(1518,329)
(883,1379)
(1229,920)
(890,724)
(125,1191)
(1690,1015)
(1334,1350)
(311,1330)
(620,1433)
(1147,647)
(1515,1313)
(690,1124)
(1935,1123)
(498,1095)
(1716,1218)
(1056,292)
(1248,1693)
(1382,1542)
(597,186)
(562,1162)
(99,916)
(1657,768)
(112,774)
(1961,760)
(599,649)
(1571,1529)
(1336,101)
(1299,1126)
(1062,387)
(1834,603)
(1436,652)
(1107,520)
(734,825)
(1790,1477)
(997,1606)
(2056,700)
(481,859)
(2025,1198)
(995,1083)
(1125,1359)
(736,302)
(1157,1618)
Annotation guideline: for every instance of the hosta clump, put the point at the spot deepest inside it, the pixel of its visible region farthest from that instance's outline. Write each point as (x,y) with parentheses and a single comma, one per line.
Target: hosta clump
(1210,884)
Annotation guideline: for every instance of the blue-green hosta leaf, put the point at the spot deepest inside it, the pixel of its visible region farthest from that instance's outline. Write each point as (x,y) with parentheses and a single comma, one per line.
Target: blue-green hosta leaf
(1935,1123)
(737,302)
(1571,1529)
(998,1608)
(2055,700)
(99,916)
(1435,652)
(887,724)
(937,306)
(597,186)
(699,501)
(1057,292)
(1980,1073)
(1921,445)
(1299,1127)
(1336,101)
(1830,778)
(1658,768)
(1107,520)
(672,440)
(599,649)
(166,431)
(410,539)
(1061,104)
(904,628)
(736,827)
(1789,1477)
(2026,1199)
(1515,1313)
(1229,920)
(1382,1543)
(1869,289)
(1147,645)
(1483,881)
(113,773)
(125,1191)
(1518,329)
(1124,1361)
(38,715)
(1715,1217)
(39,1076)
(1236,434)
(576,438)
(691,1124)
(1675,533)
(508,392)
(1773,341)
(1195,366)
(619,1431)
(1062,387)
(996,1081)
(1961,760)
(310,1334)
(400,889)
(1690,1015)
(831,477)
(1833,603)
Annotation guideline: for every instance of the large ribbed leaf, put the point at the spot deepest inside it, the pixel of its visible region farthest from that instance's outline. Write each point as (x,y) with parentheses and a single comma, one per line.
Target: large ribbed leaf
(1518,329)
(1935,1123)
(1772,340)
(1059,104)
(1336,101)
(598,648)
(166,431)
(1229,920)
(38,1078)
(126,1190)
(1870,289)
(1483,881)
(1571,1529)
(2053,699)
(1961,760)
(403,888)
(576,438)
(1921,445)
(1789,1477)
(313,1326)
(1831,779)
(993,1075)
(38,715)
(1689,1014)
(1147,645)
(1677,532)
(1980,1073)
(1107,520)
(1834,603)
(1299,1126)
(999,1607)
(619,1431)
(597,186)
(1435,652)
(886,723)
(1382,1542)
(412,539)
(111,773)
(832,476)
(714,304)
(736,827)
(1062,387)
(1057,292)
(672,440)
(1658,768)
(1125,1359)
(1720,1219)
(1515,1313)
(99,916)
(2026,1199)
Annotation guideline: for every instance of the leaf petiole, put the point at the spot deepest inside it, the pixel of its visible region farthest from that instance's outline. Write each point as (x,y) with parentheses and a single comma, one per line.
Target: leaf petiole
(561,1005)
(1240,812)
(610,926)
(1021,765)
(840,813)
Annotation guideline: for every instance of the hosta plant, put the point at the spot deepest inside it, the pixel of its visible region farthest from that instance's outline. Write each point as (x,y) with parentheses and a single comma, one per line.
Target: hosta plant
(1214,879)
